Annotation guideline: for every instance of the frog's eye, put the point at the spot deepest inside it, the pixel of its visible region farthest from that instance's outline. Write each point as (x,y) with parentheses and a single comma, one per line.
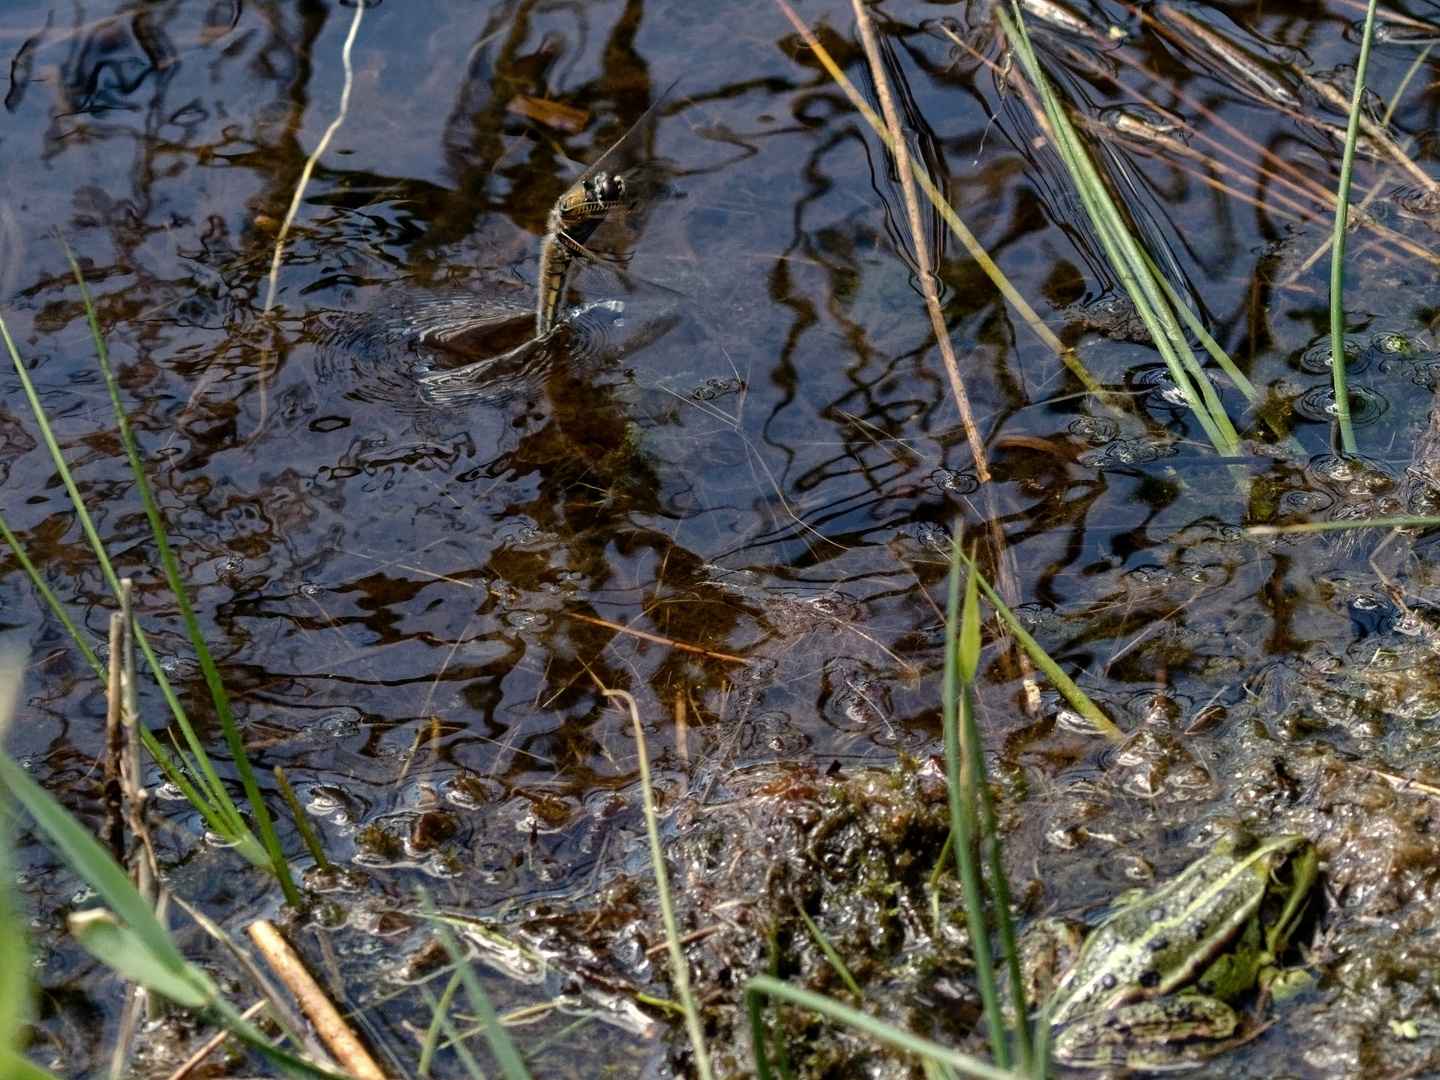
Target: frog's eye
(1149,979)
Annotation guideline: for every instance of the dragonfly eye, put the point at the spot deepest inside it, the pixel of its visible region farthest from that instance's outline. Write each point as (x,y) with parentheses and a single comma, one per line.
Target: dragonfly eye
(606,188)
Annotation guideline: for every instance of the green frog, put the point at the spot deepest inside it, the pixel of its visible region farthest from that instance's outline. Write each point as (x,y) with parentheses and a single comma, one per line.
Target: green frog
(1151,983)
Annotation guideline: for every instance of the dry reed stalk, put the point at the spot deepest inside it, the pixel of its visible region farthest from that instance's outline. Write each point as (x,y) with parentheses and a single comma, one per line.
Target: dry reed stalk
(901,152)
(330,1026)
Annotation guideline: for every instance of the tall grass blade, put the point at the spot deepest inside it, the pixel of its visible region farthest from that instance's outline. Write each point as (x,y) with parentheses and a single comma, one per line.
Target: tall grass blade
(501,1044)
(680,968)
(1337,246)
(215,804)
(877,1029)
(978,795)
(187,614)
(963,824)
(1077,698)
(1126,256)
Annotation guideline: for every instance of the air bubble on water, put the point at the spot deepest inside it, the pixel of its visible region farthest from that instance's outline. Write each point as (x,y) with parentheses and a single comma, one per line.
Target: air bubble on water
(340,723)
(961,483)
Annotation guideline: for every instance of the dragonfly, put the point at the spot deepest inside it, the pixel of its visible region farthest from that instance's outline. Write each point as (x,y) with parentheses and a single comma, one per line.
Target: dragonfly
(613,187)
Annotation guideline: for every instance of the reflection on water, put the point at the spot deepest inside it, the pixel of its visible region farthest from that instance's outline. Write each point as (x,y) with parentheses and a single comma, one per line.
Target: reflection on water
(422,541)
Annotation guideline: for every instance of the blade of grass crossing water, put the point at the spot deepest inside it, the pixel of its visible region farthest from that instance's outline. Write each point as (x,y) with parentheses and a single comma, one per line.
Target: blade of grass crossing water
(187,613)
(830,954)
(441,1022)
(1337,248)
(1077,698)
(963,822)
(439,1017)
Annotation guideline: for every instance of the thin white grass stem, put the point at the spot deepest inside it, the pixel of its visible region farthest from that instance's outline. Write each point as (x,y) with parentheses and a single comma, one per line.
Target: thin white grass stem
(680,968)
(1337,247)
(901,152)
(314,158)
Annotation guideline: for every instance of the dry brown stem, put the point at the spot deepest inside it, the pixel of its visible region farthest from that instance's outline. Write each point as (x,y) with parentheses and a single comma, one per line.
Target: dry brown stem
(330,1026)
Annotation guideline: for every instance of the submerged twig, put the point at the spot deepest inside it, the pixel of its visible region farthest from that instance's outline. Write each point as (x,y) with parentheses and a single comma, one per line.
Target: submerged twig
(901,153)
(212,1044)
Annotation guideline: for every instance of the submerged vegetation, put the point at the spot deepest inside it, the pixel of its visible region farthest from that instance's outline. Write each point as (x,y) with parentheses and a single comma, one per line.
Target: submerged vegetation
(733,836)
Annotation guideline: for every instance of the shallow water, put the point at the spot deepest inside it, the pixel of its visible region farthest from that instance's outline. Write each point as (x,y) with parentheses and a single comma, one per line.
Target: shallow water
(748,448)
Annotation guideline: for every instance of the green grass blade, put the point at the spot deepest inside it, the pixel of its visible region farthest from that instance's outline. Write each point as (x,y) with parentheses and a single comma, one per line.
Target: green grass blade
(1210,345)
(439,1015)
(979,784)
(1078,699)
(16,1067)
(501,1044)
(302,821)
(15,981)
(967,661)
(877,1029)
(830,954)
(962,822)
(222,808)
(440,1022)
(187,613)
(84,854)
(755,1008)
(1337,247)
(1124,252)
(680,969)
(1417,522)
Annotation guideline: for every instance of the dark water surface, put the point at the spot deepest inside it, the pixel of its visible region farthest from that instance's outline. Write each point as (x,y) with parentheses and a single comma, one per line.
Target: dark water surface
(745,443)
